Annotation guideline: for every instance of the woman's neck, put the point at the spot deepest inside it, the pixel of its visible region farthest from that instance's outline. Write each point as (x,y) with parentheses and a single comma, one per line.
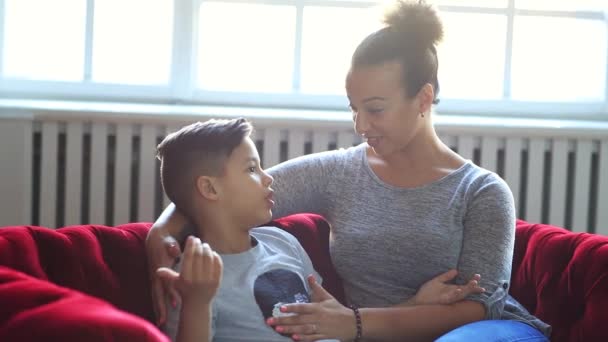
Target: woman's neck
(425,151)
(424,160)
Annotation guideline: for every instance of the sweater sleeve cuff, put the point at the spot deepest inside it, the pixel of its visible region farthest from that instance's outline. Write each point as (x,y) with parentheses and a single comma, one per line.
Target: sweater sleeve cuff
(493,299)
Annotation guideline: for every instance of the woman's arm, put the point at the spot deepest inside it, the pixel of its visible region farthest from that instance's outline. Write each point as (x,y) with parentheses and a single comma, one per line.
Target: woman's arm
(421,322)
(170,222)
(300,184)
(162,248)
(339,321)
(488,242)
(328,319)
(440,290)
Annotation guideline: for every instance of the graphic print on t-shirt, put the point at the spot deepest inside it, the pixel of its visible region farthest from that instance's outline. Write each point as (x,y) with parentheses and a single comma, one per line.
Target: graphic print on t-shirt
(277,287)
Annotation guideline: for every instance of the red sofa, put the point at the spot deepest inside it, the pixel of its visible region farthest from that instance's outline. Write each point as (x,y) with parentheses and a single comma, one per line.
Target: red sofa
(90,283)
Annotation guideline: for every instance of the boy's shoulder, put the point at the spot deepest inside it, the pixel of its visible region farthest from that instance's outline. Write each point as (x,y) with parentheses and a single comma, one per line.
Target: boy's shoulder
(272,232)
(276,237)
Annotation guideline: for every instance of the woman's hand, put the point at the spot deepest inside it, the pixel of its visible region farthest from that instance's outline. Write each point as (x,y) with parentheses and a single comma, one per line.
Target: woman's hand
(324,318)
(162,250)
(438,291)
(200,274)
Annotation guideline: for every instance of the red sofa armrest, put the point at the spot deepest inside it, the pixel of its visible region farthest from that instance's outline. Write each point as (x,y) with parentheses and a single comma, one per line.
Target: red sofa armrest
(562,278)
(105,262)
(37,310)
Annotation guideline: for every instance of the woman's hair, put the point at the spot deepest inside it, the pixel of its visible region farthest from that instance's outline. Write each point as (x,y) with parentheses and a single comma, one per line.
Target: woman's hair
(412,30)
(201,148)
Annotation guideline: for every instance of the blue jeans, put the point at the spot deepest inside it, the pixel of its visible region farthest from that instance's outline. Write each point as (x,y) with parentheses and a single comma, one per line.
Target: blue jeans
(496,331)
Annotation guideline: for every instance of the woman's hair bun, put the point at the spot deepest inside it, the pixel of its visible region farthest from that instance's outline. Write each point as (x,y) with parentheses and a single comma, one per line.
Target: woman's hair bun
(416,20)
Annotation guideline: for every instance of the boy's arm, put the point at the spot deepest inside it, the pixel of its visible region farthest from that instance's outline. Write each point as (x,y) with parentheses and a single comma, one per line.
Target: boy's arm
(195,323)
(197,282)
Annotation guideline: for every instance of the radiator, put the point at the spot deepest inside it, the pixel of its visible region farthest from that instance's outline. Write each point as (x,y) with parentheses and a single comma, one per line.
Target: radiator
(106,172)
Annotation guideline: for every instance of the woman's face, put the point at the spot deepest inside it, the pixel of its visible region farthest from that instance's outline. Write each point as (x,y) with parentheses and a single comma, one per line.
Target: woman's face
(382,113)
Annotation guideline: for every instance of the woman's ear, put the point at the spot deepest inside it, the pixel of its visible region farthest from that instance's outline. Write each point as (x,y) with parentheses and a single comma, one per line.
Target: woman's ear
(207,188)
(425,97)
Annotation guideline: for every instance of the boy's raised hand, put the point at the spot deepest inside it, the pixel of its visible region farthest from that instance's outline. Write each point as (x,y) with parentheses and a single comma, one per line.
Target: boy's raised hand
(438,291)
(200,274)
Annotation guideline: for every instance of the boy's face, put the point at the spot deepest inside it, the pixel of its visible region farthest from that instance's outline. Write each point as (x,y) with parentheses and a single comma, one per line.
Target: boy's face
(245,188)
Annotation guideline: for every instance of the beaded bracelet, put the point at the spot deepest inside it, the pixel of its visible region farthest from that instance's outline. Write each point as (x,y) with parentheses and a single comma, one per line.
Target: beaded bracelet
(358,323)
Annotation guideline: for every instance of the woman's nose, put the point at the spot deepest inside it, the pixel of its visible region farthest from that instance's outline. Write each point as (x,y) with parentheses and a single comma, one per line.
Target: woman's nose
(361,124)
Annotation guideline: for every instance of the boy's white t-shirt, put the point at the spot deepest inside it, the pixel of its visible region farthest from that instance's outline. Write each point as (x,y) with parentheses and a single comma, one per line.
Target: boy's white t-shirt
(254,284)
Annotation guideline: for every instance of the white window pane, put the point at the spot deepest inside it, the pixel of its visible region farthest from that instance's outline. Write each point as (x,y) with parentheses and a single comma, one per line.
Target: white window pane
(132,41)
(330,36)
(472,3)
(565,5)
(246,47)
(44,40)
(559,59)
(472,60)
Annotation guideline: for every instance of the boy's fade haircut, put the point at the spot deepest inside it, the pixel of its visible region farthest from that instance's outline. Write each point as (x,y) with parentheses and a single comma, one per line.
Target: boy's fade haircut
(198,149)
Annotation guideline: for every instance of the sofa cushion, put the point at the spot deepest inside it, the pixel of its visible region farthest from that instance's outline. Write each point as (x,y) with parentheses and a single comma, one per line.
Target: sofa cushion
(37,310)
(562,278)
(104,262)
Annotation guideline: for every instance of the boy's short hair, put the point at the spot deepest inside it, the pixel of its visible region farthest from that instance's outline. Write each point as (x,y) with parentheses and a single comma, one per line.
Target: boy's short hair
(195,150)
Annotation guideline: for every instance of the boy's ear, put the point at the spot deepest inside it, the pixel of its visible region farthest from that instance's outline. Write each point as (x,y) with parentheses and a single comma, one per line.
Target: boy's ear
(206,187)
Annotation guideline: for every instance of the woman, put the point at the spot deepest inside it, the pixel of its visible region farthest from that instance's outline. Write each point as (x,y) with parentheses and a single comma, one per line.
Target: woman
(403,207)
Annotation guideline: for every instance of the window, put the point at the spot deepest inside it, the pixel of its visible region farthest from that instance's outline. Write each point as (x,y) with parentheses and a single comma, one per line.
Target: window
(556,60)
(471,59)
(527,56)
(498,56)
(246,47)
(37,46)
(132,41)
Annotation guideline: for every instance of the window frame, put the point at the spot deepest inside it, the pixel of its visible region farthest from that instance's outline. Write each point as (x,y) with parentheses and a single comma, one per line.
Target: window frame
(182,88)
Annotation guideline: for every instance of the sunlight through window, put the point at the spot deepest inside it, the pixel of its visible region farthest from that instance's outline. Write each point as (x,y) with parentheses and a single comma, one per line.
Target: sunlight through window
(472,56)
(330,35)
(562,5)
(44,40)
(472,3)
(132,41)
(553,59)
(246,47)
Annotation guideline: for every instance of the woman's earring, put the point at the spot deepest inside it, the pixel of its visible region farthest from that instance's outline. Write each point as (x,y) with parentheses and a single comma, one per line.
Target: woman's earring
(422,114)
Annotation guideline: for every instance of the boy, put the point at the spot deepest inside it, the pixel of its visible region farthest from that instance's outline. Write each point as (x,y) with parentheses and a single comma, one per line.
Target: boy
(211,172)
